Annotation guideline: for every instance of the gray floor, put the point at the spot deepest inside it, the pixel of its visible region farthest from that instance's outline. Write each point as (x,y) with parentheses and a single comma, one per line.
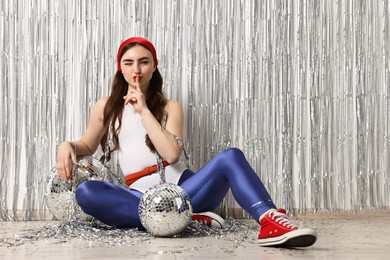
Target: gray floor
(341,236)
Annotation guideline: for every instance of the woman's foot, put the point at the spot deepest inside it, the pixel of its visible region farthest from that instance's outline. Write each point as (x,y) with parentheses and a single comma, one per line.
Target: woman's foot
(277,230)
(209,219)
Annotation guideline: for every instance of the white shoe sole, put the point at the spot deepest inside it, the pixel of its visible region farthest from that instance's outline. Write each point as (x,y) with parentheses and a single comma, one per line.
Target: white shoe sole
(217,221)
(302,237)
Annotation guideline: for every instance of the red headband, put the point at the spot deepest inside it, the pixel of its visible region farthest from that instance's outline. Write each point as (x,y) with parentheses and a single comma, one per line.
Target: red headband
(147,44)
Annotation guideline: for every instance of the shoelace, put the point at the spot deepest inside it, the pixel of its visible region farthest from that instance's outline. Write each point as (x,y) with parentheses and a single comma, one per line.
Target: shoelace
(203,221)
(282,219)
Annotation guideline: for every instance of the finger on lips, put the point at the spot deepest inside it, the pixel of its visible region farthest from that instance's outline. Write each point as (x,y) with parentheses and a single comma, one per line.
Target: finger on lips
(137,78)
(132,92)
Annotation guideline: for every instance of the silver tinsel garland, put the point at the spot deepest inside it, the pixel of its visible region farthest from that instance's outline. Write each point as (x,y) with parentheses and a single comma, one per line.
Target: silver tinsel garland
(109,236)
(302,87)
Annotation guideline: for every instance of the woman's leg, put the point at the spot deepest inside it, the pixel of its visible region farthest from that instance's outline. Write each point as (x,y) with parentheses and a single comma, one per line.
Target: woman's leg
(109,203)
(229,169)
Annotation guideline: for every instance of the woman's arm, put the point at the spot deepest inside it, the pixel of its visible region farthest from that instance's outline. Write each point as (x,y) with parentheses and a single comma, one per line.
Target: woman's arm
(87,145)
(165,144)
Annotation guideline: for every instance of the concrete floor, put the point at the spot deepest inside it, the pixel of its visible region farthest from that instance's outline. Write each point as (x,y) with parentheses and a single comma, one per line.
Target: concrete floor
(340,236)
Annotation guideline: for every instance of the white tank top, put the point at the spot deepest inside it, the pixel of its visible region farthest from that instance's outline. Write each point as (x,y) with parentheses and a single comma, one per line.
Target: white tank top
(134,155)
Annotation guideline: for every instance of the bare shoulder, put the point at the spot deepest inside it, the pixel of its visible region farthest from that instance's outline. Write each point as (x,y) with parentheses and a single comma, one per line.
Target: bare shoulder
(175,118)
(98,109)
(101,104)
(173,106)
(102,101)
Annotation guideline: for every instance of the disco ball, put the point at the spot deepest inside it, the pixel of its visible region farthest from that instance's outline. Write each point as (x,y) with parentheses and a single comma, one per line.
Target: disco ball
(59,194)
(165,210)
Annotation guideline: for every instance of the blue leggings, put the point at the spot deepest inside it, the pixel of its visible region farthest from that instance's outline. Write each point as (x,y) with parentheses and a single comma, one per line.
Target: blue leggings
(118,207)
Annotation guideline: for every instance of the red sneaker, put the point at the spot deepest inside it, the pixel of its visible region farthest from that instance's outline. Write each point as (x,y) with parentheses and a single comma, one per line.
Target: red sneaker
(209,219)
(277,230)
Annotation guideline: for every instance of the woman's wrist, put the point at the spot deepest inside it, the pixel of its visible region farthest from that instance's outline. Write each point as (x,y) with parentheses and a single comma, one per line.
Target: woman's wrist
(79,148)
(145,113)
(73,146)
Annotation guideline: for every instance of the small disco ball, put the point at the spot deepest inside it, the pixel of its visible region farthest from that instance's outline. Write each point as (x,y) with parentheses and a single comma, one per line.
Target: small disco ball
(165,210)
(59,194)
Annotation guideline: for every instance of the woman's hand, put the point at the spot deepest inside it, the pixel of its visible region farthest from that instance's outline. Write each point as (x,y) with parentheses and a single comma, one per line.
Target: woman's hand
(135,97)
(87,145)
(65,157)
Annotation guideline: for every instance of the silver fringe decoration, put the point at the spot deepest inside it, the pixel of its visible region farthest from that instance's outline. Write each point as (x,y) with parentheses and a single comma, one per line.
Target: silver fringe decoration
(302,87)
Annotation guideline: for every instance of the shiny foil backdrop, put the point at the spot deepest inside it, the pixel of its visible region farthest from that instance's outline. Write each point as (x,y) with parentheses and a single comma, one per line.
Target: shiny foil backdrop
(302,87)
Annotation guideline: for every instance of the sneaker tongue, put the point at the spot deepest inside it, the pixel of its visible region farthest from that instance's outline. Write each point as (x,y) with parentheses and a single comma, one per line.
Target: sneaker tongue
(280,213)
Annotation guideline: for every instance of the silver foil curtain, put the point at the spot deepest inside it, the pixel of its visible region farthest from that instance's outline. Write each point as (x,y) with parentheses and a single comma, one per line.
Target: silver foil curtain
(301,86)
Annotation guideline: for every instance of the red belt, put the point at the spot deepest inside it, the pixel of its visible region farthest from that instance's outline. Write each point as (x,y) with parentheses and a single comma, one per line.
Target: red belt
(147,171)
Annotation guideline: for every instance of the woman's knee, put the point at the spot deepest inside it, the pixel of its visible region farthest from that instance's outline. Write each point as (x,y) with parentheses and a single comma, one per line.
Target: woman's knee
(232,153)
(231,157)
(85,192)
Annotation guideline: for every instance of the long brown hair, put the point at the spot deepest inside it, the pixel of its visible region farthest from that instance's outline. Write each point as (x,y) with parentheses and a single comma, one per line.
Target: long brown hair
(155,100)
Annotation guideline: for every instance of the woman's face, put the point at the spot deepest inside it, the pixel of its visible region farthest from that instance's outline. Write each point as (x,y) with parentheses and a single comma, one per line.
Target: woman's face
(137,65)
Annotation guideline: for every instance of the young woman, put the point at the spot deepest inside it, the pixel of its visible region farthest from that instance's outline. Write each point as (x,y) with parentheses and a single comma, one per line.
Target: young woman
(144,124)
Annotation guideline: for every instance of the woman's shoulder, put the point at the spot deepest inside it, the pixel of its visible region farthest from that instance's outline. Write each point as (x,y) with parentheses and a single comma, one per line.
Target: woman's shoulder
(173,105)
(100,105)
(174,109)
(101,102)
